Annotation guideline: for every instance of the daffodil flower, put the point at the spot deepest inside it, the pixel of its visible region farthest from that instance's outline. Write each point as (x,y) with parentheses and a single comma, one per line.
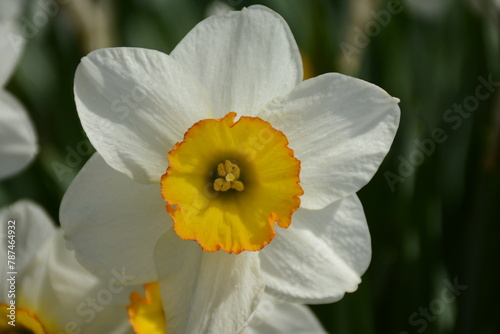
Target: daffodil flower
(272,316)
(17,135)
(220,173)
(44,289)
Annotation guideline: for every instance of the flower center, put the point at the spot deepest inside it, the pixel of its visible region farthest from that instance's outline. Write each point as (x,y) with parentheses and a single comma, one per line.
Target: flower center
(229,174)
(25,322)
(228,183)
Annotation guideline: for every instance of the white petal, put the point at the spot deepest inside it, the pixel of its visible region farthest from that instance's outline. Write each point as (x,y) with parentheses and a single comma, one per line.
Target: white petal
(206,292)
(51,283)
(17,136)
(113,222)
(34,234)
(134,105)
(59,290)
(96,306)
(244,58)
(340,128)
(35,292)
(31,227)
(11,49)
(65,272)
(320,256)
(11,9)
(278,317)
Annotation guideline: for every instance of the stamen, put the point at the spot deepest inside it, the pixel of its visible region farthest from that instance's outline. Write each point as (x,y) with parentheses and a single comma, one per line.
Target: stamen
(229,174)
(221,170)
(222,185)
(237,185)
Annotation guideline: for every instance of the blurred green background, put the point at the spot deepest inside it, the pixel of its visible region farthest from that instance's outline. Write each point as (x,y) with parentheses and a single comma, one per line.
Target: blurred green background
(433,208)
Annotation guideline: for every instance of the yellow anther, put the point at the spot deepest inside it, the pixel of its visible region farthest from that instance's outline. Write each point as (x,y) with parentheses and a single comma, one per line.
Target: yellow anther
(237,185)
(222,185)
(221,170)
(228,166)
(229,174)
(236,172)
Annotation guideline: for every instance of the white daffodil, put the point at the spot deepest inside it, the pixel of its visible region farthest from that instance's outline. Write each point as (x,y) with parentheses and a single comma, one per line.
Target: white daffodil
(44,289)
(17,135)
(146,315)
(201,152)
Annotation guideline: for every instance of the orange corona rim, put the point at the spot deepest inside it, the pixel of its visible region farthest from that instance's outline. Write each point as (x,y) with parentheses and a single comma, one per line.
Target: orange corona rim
(229,182)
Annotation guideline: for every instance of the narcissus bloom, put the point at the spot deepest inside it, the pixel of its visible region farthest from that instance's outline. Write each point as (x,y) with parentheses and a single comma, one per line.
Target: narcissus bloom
(44,289)
(17,135)
(220,173)
(146,315)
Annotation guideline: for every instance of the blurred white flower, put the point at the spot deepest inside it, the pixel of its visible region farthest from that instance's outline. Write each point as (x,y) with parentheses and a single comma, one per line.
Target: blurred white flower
(430,9)
(227,181)
(17,135)
(49,291)
(11,9)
